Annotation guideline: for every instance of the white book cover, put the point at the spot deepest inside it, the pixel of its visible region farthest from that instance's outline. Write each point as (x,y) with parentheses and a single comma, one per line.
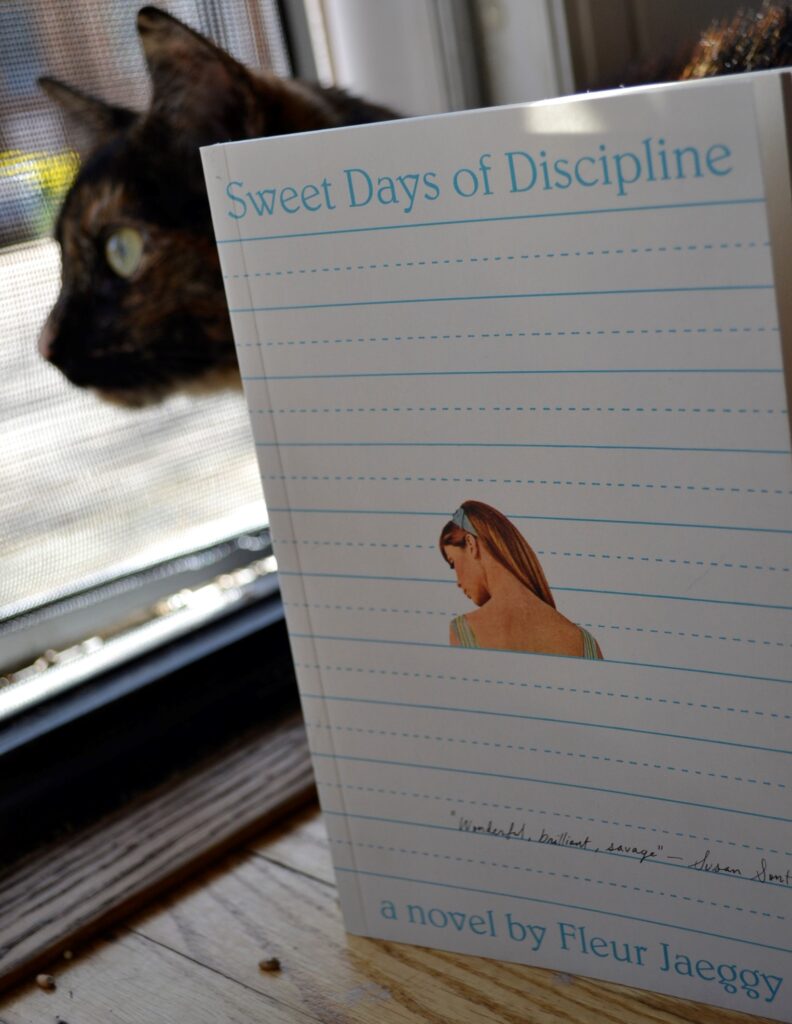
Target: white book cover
(517,388)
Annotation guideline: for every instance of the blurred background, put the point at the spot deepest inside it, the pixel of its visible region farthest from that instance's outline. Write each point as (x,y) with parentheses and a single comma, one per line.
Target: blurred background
(121,529)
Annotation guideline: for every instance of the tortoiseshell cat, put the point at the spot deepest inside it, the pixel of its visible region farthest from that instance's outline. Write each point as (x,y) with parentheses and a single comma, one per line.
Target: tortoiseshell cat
(142,310)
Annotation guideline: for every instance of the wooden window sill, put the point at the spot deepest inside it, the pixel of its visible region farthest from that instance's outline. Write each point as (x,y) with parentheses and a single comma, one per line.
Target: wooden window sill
(67,890)
(194,955)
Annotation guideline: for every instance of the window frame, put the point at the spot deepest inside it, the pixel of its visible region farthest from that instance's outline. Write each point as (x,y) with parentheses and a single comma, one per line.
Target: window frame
(74,761)
(83,749)
(72,758)
(91,609)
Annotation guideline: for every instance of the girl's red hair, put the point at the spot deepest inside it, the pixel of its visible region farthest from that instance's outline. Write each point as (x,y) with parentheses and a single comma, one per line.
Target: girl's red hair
(504,542)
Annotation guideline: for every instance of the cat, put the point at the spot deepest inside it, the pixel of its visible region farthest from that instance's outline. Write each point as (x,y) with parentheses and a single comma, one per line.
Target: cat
(753,40)
(142,311)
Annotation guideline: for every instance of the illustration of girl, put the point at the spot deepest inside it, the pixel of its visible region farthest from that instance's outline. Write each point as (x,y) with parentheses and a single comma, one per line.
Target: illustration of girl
(500,573)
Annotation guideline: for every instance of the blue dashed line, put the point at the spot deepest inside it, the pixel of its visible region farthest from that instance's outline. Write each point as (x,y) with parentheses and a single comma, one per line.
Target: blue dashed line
(548,552)
(488,335)
(361,544)
(504,408)
(693,636)
(554,874)
(384,791)
(518,257)
(576,690)
(319,606)
(527,481)
(546,751)
(665,561)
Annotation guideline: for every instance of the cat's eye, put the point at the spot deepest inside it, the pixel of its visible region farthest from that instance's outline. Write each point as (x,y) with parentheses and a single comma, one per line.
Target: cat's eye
(124,251)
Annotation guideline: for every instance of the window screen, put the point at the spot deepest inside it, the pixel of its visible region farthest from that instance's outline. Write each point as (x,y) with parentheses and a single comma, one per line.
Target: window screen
(89,490)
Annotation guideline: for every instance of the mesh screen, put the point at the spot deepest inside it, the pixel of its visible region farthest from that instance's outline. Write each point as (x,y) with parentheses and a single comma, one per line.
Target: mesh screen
(87,489)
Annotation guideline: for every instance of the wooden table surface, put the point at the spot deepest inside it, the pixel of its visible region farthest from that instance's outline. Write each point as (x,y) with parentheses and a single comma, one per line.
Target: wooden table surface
(193,958)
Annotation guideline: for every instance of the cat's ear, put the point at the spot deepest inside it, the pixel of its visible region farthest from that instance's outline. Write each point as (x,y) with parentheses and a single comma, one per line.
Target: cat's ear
(96,120)
(197,87)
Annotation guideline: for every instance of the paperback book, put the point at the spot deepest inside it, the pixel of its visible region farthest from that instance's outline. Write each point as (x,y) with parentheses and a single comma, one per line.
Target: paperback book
(517,385)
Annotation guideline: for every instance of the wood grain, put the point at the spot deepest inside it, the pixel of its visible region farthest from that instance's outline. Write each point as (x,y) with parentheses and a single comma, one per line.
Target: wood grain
(203,944)
(126,980)
(79,884)
(300,843)
(192,957)
(265,904)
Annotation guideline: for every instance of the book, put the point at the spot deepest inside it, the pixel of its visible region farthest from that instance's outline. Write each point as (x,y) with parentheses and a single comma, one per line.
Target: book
(516,380)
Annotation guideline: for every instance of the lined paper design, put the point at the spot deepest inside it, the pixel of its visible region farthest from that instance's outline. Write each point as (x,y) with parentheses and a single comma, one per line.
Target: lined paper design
(609,376)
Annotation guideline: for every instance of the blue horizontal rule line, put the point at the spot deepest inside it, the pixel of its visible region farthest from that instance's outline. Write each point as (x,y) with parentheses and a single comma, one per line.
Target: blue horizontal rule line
(544,718)
(550,782)
(679,597)
(497,219)
(507,295)
(560,519)
(591,666)
(566,906)
(505,373)
(518,839)
(517,444)
(573,590)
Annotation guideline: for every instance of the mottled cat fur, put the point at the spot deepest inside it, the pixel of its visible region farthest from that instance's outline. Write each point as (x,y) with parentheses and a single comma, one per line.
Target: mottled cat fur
(137,339)
(753,40)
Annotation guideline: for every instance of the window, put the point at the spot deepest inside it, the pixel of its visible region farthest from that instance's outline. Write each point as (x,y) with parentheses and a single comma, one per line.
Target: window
(120,528)
(93,495)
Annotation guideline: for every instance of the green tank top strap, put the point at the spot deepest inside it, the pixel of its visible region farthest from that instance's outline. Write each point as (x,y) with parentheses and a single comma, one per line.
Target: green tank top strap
(463,632)
(589,645)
